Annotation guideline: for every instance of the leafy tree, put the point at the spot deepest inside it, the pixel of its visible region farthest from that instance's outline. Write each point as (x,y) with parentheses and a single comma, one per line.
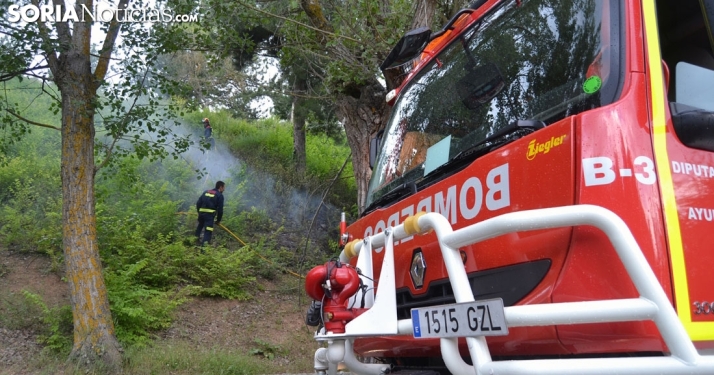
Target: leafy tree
(216,79)
(254,43)
(331,50)
(91,87)
(208,82)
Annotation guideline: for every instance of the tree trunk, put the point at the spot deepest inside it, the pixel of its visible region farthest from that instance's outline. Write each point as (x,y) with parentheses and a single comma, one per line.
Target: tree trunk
(362,118)
(297,117)
(93,326)
(424,11)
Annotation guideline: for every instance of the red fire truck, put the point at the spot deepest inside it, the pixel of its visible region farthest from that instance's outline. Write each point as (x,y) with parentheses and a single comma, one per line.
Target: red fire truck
(541,199)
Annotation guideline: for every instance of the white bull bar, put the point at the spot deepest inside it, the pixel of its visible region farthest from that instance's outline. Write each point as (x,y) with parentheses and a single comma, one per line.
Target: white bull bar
(381,318)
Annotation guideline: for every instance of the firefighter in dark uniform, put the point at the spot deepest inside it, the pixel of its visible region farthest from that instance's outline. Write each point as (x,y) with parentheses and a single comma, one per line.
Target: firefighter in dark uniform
(207,129)
(208,133)
(209,207)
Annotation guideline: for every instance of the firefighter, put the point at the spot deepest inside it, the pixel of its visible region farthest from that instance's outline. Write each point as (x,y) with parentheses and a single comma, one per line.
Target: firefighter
(207,130)
(210,208)
(208,133)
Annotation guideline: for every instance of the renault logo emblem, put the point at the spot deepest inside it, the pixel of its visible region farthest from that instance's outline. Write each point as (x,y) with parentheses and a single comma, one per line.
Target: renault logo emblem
(418,269)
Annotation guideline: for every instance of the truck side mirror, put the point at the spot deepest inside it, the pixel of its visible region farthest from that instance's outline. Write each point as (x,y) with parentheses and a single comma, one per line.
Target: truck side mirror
(408,47)
(373,147)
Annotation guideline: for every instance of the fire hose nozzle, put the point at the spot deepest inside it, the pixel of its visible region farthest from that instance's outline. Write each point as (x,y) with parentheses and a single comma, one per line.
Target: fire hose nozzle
(333,283)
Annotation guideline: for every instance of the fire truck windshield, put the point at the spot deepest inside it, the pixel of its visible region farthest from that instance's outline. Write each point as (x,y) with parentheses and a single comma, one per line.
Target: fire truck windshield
(536,60)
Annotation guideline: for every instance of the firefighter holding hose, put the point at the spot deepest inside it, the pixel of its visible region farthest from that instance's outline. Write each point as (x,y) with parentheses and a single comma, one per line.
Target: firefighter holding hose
(210,208)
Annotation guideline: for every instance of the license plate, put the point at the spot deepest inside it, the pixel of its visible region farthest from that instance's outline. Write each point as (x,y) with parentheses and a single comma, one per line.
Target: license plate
(468,319)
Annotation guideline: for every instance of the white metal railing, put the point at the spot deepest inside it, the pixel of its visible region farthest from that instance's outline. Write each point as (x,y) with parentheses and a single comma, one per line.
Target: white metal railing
(381,318)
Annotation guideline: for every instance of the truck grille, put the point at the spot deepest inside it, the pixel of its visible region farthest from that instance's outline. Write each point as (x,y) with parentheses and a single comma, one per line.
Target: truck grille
(510,283)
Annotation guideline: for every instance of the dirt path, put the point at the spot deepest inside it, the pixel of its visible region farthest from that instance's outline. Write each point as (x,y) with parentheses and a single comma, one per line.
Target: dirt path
(18,273)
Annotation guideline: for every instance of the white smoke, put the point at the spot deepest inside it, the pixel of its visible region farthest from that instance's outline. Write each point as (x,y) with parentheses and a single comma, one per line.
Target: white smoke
(283,203)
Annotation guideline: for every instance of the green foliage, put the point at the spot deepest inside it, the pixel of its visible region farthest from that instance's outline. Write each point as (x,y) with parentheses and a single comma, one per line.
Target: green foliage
(18,312)
(362,36)
(270,259)
(208,80)
(149,270)
(128,195)
(149,263)
(57,334)
(201,361)
(30,99)
(255,221)
(265,349)
(30,219)
(268,145)
(148,278)
(136,307)
(222,273)
(145,226)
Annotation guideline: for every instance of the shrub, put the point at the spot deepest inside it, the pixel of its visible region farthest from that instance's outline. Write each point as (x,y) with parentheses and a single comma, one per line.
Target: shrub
(136,308)
(57,332)
(217,272)
(19,312)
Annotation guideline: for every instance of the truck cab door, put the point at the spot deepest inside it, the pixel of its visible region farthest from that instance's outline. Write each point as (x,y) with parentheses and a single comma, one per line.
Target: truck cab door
(683,141)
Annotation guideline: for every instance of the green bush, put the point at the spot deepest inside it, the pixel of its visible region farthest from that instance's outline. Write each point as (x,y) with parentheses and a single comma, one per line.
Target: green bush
(138,309)
(218,272)
(30,219)
(265,349)
(57,332)
(18,312)
(147,280)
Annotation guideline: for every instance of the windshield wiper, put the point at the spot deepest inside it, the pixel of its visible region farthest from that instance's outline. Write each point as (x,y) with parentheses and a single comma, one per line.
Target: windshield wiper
(481,148)
(401,191)
(507,130)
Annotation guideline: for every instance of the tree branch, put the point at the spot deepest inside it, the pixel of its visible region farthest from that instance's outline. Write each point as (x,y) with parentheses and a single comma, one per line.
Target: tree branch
(110,149)
(53,94)
(326,32)
(313,10)
(51,54)
(10,111)
(11,75)
(82,37)
(346,20)
(322,201)
(108,45)
(62,27)
(8,26)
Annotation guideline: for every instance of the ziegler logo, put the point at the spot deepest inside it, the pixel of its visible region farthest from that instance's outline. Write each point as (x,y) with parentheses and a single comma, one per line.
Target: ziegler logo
(535,148)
